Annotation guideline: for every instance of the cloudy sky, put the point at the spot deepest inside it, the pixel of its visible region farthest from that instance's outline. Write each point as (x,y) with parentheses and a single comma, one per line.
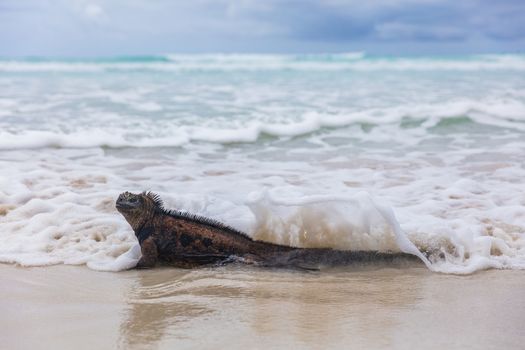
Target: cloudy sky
(139,27)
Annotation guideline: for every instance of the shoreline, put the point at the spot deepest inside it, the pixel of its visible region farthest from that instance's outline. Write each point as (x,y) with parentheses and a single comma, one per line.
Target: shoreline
(63,307)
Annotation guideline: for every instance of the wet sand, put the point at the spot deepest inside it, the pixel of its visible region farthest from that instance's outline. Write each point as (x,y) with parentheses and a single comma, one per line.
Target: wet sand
(68,307)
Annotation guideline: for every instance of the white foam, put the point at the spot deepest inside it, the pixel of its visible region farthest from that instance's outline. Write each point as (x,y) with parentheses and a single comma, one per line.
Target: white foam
(39,139)
(55,211)
(505,114)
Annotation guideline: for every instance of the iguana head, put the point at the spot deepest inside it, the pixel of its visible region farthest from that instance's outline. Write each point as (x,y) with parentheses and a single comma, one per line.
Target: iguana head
(138,208)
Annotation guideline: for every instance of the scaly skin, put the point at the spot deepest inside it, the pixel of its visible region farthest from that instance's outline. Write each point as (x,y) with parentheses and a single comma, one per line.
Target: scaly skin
(186,240)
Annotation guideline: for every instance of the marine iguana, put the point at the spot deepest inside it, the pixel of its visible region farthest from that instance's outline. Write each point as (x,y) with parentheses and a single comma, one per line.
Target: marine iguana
(187,240)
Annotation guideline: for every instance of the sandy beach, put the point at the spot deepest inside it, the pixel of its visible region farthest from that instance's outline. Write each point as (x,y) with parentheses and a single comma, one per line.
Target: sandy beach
(66,307)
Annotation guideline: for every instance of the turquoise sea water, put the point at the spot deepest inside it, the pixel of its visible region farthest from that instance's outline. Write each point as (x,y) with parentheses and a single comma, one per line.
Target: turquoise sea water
(296,149)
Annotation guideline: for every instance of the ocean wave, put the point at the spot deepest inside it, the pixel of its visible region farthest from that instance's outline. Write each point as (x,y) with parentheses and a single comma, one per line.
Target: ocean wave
(361,222)
(233,62)
(509,114)
(75,229)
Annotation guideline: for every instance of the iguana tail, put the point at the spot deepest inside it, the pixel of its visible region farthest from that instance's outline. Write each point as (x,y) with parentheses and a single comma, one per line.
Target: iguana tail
(314,259)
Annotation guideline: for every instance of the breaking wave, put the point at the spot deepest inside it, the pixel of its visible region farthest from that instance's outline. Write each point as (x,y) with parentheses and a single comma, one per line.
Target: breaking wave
(503,114)
(230,62)
(78,233)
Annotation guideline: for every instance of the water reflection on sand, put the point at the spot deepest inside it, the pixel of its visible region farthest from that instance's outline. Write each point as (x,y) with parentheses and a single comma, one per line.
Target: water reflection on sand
(67,307)
(239,306)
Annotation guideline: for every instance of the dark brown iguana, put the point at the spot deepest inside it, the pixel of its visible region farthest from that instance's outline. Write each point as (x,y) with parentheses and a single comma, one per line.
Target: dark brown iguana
(187,240)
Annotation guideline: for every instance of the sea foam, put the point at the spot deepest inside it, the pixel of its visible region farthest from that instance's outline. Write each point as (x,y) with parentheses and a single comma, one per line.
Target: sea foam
(499,113)
(68,228)
(417,154)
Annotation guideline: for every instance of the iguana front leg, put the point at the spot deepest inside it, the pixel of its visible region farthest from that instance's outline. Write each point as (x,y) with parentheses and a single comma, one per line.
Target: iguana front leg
(149,254)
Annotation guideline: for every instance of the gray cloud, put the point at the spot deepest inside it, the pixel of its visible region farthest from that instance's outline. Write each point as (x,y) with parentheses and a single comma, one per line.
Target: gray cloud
(96,27)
